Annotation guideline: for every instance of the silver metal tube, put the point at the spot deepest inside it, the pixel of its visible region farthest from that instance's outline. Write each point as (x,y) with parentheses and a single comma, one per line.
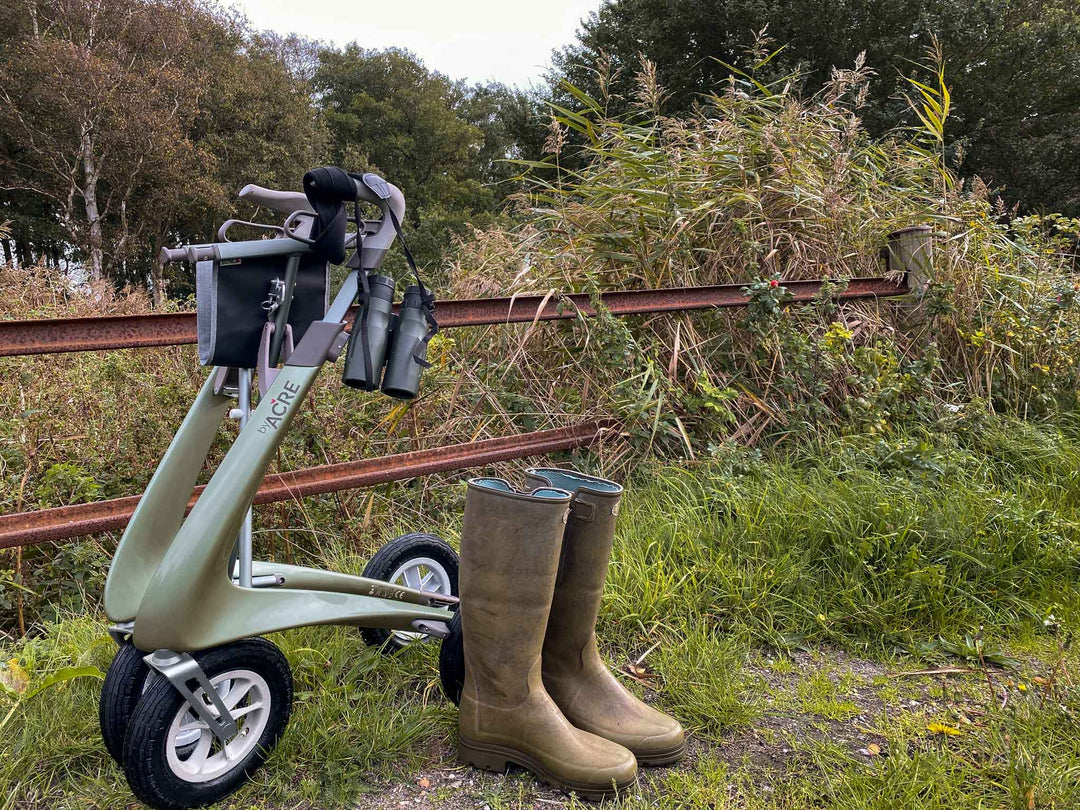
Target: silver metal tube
(244,539)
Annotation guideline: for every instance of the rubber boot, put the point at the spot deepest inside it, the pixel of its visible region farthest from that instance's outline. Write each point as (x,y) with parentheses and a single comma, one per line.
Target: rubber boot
(573,672)
(510,545)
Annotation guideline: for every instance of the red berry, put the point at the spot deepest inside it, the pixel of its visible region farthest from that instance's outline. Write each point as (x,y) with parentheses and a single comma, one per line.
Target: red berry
(774,283)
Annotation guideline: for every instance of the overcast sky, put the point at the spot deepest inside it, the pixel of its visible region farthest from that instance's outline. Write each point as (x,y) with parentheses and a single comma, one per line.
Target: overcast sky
(480,40)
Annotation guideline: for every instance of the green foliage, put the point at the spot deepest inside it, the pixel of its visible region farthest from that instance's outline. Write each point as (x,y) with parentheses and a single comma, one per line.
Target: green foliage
(1012,67)
(856,543)
(66,483)
(765,302)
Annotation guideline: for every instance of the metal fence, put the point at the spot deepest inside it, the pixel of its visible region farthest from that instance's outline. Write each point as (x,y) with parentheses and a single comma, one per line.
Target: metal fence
(143,331)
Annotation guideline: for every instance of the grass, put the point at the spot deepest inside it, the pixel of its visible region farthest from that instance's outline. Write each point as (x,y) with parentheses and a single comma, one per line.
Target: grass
(771,602)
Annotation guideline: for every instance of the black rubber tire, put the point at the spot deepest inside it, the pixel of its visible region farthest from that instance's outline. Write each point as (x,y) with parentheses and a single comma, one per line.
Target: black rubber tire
(394,554)
(452,662)
(120,693)
(145,764)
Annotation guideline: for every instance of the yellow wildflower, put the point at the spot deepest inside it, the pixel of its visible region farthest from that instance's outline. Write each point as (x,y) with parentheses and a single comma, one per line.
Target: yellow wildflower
(941,728)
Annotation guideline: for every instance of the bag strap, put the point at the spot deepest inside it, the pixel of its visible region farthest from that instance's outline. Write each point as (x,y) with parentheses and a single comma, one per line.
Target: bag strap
(427,298)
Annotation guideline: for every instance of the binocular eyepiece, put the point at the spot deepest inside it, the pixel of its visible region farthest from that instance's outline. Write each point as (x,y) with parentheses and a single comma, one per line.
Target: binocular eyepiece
(387,350)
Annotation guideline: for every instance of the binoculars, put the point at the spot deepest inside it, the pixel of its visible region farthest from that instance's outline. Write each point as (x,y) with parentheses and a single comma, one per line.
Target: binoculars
(387,350)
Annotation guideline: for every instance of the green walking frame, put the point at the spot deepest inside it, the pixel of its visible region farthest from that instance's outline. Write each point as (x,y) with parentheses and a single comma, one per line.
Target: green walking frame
(194,700)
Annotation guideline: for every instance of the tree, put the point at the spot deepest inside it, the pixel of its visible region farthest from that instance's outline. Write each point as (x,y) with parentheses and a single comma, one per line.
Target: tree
(442,142)
(127,125)
(256,123)
(93,101)
(1014,66)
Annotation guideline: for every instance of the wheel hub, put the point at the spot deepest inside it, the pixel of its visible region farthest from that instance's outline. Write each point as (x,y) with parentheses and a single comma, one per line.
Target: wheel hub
(194,753)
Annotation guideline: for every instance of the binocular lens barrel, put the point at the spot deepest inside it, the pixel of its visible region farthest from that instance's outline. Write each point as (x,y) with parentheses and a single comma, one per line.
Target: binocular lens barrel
(378,309)
(402,379)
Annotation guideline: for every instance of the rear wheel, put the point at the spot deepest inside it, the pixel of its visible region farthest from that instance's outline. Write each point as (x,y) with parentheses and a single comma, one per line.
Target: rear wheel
(417,560)
(171,758)
(452,662)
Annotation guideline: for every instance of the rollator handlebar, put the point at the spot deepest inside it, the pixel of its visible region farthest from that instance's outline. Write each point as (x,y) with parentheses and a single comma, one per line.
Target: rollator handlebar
(370,188)
(284,202)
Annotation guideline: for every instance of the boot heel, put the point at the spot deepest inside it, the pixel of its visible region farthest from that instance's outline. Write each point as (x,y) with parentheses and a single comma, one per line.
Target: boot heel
(480,758)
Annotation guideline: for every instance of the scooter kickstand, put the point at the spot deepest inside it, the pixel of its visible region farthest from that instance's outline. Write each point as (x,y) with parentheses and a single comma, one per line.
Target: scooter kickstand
(180,669)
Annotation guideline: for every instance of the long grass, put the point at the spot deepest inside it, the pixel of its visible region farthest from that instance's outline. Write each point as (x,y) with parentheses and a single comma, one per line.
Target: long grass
(844,546)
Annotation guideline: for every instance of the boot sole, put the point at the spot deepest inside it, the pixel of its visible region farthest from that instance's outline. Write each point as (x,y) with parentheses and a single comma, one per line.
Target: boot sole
(658,759)
(496,758)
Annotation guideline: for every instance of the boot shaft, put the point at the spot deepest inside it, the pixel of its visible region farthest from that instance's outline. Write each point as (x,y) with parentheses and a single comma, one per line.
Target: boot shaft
(583,564)
(510,544)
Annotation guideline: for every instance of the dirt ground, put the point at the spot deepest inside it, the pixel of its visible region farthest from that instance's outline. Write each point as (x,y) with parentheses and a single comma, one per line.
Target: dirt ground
(824,695)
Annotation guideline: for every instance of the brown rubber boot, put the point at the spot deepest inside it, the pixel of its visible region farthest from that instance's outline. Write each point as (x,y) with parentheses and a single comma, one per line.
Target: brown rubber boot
(573,673)
(509,557)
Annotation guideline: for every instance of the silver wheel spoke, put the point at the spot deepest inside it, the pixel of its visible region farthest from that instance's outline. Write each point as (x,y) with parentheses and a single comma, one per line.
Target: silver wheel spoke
(194,724)
(237,693)
(243,710)
(412,578)
(199,755)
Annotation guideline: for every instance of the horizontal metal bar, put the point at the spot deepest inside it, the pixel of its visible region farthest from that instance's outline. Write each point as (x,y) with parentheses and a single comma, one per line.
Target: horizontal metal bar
(66,522)
(141,331)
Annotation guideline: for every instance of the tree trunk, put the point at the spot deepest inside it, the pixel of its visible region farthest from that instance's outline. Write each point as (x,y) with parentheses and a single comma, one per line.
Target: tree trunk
(31,7)
(157,276)
(23,253)
(8,258)
(91,174)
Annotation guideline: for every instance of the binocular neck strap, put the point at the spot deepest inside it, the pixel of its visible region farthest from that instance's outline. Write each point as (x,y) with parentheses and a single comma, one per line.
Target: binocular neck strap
(427,297)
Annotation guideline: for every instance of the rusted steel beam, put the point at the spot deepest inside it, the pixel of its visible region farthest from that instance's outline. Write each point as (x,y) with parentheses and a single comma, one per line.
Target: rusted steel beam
(140,331)
(67,522)
(56,335)
(481,311)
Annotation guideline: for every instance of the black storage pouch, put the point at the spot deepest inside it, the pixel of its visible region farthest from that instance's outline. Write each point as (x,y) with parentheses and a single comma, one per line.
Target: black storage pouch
(231,312)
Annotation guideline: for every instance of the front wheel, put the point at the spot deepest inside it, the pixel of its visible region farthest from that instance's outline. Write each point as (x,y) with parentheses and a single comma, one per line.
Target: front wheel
(171,758)
(417,560)
(120,693)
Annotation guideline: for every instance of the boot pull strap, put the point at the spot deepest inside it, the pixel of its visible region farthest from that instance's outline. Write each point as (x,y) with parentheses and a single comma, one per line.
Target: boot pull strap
(586,511)
(583,510)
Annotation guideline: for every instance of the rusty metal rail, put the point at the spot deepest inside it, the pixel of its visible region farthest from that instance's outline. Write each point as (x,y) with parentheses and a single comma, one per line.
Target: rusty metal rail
(67,522)
(141,331)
